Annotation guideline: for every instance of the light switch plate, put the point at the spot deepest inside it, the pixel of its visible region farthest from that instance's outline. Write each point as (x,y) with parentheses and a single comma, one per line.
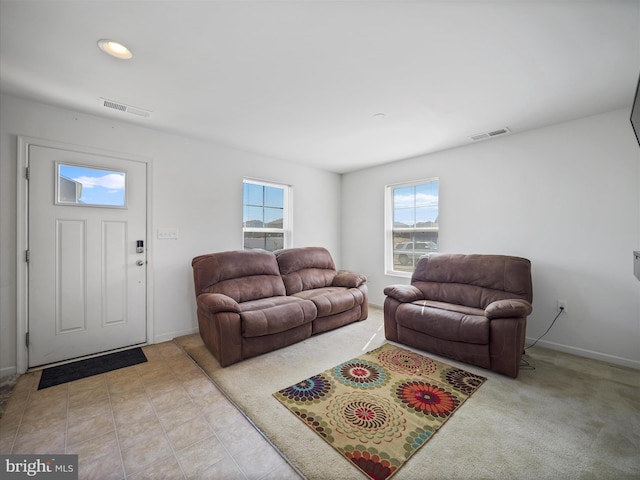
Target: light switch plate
(167,234)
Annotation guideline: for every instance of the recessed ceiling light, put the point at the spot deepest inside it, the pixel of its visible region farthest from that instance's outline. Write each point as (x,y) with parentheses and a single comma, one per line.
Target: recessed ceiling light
(379,116)
(115,49)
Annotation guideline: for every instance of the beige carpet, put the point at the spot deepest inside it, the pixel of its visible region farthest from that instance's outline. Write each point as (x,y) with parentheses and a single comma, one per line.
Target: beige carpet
(568,418)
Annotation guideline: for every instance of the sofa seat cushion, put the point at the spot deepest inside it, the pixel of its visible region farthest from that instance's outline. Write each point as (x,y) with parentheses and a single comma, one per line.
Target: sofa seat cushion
(268,316)
(332,300)
(446,321)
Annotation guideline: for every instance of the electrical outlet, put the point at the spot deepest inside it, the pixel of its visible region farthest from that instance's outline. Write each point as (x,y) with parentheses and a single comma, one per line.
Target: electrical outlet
(562,306)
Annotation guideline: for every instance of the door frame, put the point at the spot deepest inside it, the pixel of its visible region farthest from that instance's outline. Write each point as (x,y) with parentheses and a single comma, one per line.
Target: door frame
(22,237)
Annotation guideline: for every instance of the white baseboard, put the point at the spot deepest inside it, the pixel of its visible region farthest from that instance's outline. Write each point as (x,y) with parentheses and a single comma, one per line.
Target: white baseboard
(6,371)
(166,337)
(581,352)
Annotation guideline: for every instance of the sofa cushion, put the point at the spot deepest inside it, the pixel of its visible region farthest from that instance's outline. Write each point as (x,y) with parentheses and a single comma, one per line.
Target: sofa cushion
(508,309)
(349,279)
(275,315)
(445,321)
(243,275)
(305,268)
(461,294)
(323,324)
(332,300)
(403,293)
(473,280)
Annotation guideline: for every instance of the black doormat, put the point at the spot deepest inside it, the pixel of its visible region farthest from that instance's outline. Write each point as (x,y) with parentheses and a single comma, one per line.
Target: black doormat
(89,367)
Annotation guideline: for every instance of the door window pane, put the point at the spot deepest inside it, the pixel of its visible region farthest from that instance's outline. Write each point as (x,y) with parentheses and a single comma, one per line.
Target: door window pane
(87,186)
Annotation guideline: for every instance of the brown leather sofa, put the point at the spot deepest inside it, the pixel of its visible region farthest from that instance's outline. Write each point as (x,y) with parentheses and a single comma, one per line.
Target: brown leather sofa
(471,308)
(252,301)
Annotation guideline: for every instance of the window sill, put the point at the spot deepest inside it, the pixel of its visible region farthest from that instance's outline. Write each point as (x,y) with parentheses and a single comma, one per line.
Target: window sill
(396,273)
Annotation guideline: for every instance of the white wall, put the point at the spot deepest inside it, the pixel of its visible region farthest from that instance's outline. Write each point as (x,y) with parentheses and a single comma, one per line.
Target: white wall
(197,188)
(567,197)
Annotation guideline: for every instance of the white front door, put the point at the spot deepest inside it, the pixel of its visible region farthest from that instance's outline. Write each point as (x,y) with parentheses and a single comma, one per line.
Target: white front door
(86,274)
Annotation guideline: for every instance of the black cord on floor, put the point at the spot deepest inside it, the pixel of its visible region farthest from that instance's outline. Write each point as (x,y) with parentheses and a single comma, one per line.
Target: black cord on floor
(523,363)
(554,321)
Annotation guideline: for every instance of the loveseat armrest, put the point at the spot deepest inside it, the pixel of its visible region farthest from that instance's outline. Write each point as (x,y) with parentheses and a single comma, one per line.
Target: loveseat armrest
(348,279)
(217,302)
(404,293)
(511,308)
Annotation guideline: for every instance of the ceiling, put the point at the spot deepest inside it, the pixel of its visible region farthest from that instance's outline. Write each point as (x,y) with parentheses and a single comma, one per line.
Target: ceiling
(303,80)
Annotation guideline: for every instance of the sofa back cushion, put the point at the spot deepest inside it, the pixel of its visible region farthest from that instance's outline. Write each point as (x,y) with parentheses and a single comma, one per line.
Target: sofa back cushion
(473,280)
(305,268)
(241,274)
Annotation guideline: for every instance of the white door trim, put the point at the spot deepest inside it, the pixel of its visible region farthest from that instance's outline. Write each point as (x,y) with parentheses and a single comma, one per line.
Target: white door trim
(22,237)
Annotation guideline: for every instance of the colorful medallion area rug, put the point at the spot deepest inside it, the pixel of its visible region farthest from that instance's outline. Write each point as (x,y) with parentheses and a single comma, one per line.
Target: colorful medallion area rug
(378,409)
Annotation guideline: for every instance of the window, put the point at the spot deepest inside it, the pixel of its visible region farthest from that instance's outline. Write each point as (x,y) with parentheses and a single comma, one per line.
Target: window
(411,224)
(265,222)
(88,186)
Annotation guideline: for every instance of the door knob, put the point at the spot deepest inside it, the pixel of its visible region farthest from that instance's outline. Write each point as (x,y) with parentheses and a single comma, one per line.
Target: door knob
(140,263)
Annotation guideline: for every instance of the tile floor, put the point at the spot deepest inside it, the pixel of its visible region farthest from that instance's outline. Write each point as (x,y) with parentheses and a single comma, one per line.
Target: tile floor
(162,419)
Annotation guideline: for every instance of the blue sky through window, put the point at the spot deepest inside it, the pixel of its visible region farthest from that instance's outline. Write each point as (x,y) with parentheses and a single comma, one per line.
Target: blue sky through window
(99,187)
(415,204)
(263,205)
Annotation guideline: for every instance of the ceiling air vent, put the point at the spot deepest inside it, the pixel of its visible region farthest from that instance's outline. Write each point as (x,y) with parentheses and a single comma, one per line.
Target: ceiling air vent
(491,134)
(141,112)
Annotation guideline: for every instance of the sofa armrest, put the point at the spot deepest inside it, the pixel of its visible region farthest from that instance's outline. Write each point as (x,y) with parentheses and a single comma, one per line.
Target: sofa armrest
(512,308)
(348,279)
(404,293)
(217,302)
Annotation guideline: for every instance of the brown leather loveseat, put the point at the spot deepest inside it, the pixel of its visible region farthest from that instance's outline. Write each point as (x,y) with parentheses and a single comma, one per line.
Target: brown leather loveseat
(252,301)
(471,308)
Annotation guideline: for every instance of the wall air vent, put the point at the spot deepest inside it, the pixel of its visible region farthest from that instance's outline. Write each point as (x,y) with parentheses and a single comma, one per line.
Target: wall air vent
(491,134)
(141,112)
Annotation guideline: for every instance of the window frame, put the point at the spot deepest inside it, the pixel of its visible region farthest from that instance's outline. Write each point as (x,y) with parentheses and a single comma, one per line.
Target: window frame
(287,226)
(389,266)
